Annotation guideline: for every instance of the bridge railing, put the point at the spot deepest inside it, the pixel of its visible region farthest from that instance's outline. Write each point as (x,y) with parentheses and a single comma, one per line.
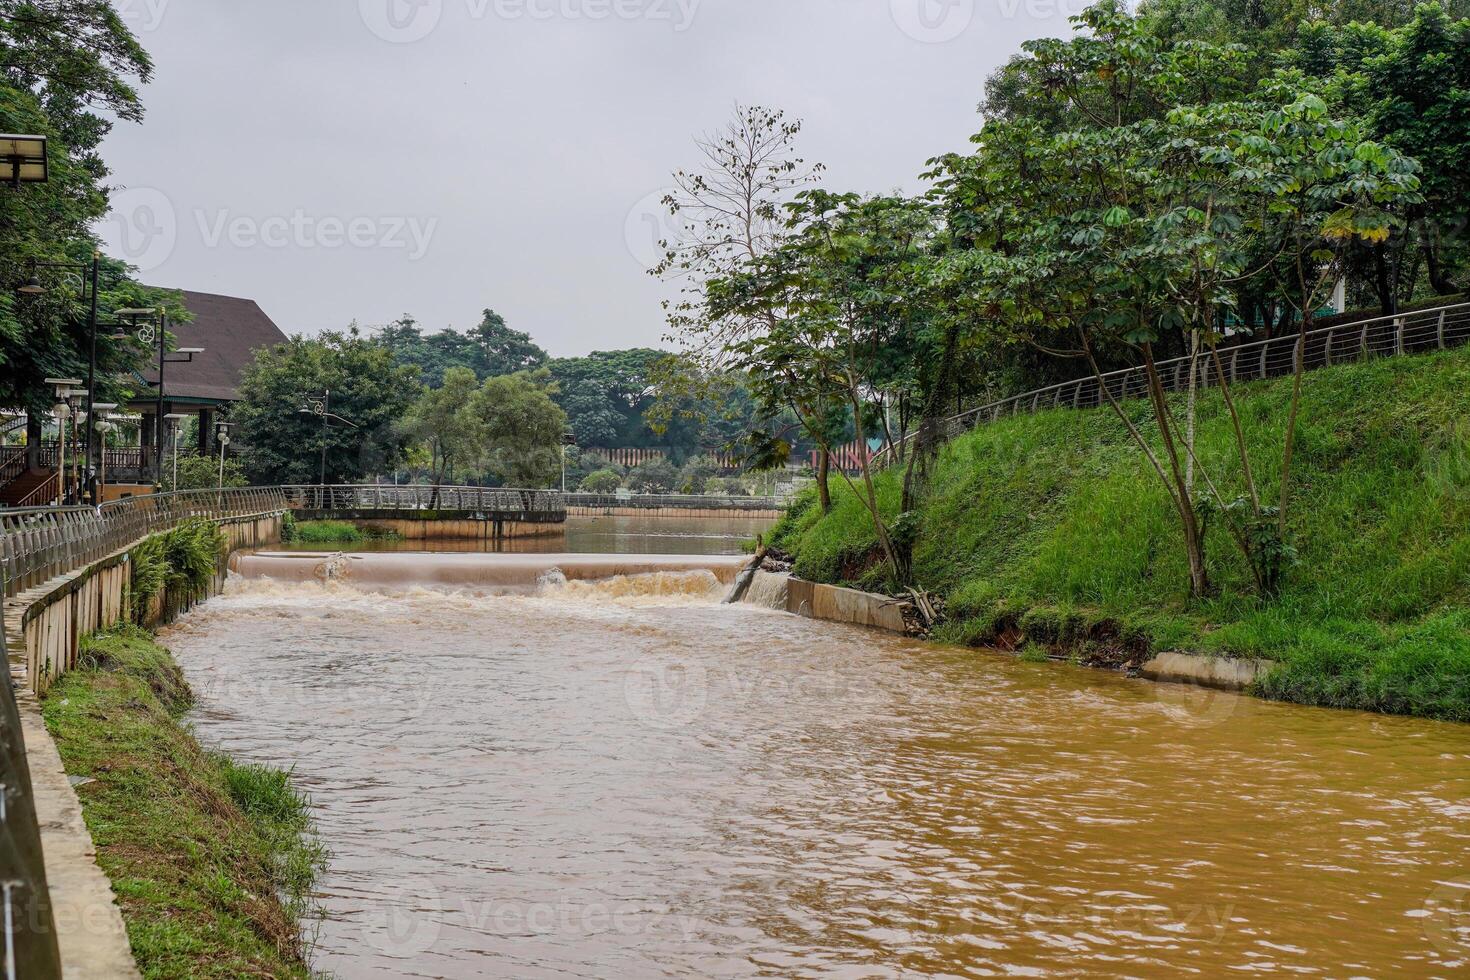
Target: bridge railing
(38,543)
(545,504)
(1414,332)
(674,501)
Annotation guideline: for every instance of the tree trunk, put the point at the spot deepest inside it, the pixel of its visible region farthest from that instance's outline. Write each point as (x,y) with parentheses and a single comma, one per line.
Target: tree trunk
(1194,544)
(824,467)
(1437,279)
(1382,283)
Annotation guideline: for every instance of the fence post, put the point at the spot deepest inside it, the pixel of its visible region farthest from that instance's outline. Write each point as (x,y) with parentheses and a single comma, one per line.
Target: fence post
(1439,331)
(1398,335)
(1329,346)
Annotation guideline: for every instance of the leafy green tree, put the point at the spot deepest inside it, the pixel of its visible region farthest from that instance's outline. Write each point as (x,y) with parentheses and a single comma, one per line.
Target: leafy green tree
(501,350)
(443,421)
(285,445)
(839,284)
(489,350)
(83,64)
(602,481)
(523,429)
(653,476)
(606,394)
(1134,223)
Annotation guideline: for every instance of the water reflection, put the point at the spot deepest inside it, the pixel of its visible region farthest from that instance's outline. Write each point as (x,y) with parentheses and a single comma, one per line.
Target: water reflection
(629,780)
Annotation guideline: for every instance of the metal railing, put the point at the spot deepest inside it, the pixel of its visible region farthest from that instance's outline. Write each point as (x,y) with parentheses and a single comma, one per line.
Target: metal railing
(41,493)
(39,543)
(674,501)
(12,463)
(128,457)
(1414,332)
(545,505)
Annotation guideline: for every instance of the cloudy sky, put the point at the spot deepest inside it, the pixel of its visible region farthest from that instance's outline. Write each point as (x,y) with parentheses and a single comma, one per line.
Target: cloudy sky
(341,160)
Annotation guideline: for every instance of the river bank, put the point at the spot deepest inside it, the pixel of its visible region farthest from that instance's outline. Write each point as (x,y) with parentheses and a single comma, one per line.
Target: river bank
(211,861)
(1046,533)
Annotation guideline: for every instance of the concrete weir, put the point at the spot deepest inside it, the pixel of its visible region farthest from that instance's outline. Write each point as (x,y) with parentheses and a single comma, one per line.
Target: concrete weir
(498,572)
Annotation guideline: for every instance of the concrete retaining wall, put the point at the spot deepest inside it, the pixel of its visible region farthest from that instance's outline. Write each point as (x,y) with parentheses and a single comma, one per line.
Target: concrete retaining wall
(725,512)
(410,529)
(827,602)
(1224,673)
(833,604)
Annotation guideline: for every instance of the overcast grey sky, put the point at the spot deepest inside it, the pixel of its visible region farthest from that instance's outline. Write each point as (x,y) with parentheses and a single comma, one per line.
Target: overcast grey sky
(360,159)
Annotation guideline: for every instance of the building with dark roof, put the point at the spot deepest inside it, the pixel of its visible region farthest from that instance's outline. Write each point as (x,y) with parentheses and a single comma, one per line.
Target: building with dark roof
(230,330)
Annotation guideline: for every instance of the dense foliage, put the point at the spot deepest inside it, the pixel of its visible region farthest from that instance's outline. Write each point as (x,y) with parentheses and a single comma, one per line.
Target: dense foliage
(289,443)
(68,71)
(1158,184)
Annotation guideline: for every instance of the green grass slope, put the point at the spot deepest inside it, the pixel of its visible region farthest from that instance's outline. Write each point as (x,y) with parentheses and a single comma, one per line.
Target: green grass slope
(212,862)
(1051,528)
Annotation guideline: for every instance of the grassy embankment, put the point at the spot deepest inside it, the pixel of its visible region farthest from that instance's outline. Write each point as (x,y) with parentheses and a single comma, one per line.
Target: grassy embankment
(1050,530)
(330,532)
(211,861)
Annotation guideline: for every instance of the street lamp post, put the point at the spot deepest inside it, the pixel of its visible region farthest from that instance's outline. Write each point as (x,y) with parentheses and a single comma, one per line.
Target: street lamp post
(566,440)
(222,436)
(147,333)
(103,424)
(322,405)
(174,418)
(65,389)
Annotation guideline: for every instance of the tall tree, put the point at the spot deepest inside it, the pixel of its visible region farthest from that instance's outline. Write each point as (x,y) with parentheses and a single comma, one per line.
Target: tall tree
(728,210)
(523,429)
(285,445)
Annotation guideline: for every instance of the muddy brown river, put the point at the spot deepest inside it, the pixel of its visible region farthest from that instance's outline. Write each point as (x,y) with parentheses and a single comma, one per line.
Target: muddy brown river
(624,778)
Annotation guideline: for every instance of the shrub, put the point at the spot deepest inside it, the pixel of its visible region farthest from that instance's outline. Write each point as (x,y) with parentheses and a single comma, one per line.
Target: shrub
(654,476)
(603,481)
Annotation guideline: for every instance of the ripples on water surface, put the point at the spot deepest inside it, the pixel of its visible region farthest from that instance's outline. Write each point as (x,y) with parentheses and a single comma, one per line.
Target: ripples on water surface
(631,780)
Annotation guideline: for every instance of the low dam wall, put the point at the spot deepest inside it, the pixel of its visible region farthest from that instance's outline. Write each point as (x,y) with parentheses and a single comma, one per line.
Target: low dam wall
(438,527)
(495,572)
